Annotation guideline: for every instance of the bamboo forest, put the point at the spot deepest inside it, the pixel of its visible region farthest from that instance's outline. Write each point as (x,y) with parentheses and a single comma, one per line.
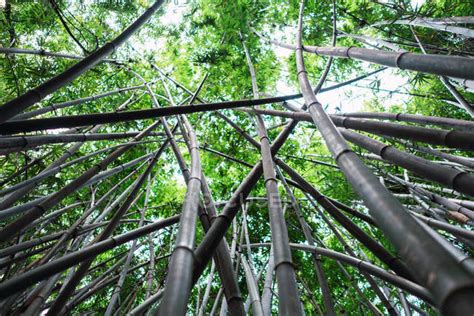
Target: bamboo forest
(249,157)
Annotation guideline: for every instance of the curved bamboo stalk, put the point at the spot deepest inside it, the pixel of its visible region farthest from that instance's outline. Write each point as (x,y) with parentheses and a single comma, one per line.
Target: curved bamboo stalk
(351,279)
(57,106)
(365,266)
(375,287)
(21,103)
(435,259)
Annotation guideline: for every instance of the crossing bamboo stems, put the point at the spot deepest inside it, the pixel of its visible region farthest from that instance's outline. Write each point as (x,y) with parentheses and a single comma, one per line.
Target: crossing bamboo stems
(37,210)
(43,175)
(390,215)
(352,281)
(375,287)
(133,248)
(224,219)
(69,287)
(12,198)
(31,277)
(15,210)
(393,262)
(222,258)
(21,103)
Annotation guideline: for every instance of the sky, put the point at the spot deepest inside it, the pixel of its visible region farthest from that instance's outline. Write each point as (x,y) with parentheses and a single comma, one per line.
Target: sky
(346,99)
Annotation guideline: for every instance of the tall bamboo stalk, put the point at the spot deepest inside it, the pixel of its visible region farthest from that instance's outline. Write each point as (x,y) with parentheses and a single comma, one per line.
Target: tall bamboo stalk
(289,303)
(394,218)
(222,257)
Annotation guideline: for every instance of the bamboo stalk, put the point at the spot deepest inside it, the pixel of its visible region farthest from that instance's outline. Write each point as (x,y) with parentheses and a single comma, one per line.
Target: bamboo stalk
(435,259)
(400,282)
(289,303)
(436,24)
(413,118)
(450,66)
(57,106)
(21,103)
(126,116)
(458,180)
(328,302)
(30,277)
(19,143)
(453,138)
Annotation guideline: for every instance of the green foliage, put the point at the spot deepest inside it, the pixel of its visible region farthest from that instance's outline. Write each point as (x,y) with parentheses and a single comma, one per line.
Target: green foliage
(207,39)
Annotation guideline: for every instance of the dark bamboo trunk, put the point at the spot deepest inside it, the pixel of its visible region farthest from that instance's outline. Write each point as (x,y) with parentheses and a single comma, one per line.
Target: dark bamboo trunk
(15,106)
